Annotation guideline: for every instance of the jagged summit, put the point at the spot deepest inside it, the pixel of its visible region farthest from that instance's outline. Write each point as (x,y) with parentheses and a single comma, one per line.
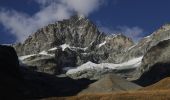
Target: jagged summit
(79,16)
(165,27)
(77,31)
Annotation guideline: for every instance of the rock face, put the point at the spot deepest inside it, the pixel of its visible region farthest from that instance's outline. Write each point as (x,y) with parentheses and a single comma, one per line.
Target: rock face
(76,32)
(155,64)
(108,84)
(146,43)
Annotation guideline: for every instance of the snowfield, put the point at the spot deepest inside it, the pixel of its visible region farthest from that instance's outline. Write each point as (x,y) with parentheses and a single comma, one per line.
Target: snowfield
(134,63)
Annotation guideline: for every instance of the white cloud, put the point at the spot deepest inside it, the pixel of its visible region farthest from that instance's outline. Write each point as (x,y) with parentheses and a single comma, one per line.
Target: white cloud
(83,6)
(22,25)
(136,33)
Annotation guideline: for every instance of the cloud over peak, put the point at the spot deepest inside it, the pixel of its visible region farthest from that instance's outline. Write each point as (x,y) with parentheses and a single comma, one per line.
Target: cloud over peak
(22,25)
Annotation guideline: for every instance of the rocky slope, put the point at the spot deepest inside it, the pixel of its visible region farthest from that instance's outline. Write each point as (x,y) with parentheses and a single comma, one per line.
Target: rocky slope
(146,43)
(110,83)
(155,64)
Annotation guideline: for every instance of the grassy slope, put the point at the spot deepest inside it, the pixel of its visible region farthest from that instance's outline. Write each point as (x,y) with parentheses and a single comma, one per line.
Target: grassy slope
(140,95)
(157,91)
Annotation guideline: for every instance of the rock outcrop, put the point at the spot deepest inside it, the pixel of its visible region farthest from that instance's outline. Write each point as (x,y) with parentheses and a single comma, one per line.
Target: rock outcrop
(155,64)
(10,73)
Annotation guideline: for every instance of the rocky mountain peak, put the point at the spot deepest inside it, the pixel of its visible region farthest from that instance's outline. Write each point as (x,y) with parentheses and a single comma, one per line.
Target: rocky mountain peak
(162,29)
(77,31)
(71,43)
(79,17)
(165,27)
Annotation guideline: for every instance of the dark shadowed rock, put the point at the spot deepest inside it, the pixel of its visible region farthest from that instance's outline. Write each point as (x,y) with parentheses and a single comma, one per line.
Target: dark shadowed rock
(9,61)
(19,83)
(10,73)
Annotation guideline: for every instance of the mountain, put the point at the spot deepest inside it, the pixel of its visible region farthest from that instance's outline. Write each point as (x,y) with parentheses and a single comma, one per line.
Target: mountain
(134,62)
(77,48)
(70,43)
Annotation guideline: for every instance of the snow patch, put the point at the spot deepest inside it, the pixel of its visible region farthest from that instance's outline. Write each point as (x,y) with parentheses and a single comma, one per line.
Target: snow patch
(112,36)
(134,63)
(84,49)
(64,46)
(45,53)
(25,57)
(81,16)
(147,36)
(131,47)
(53,49)
(102,44)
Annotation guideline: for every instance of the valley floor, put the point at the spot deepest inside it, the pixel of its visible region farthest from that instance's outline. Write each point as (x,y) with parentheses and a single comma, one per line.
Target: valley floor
(133,95)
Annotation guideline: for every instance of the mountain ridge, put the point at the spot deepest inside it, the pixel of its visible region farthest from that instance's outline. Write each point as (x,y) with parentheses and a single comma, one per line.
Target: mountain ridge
(76,41)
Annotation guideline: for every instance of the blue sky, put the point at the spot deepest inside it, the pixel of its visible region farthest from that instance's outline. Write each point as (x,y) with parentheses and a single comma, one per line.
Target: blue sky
(134,18)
